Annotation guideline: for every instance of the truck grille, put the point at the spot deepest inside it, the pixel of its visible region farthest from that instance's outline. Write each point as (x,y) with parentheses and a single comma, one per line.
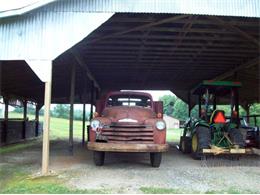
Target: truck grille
(129,134)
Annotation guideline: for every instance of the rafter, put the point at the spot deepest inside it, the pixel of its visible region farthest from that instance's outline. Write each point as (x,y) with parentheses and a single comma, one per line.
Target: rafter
(234,29)
(81,62)
(248,64)
(138,28)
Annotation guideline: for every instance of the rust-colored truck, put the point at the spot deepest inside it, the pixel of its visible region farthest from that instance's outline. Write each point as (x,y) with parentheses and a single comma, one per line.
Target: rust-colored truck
(128,122)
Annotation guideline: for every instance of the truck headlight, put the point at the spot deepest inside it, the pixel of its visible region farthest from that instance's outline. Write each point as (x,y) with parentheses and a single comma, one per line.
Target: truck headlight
(95,124)
(160,125)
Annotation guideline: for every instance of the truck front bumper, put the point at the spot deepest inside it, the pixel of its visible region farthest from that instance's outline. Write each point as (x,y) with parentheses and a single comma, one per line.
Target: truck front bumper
(117,147)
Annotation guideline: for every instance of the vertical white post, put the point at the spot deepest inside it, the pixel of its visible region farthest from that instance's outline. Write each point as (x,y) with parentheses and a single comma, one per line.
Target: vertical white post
(46,123)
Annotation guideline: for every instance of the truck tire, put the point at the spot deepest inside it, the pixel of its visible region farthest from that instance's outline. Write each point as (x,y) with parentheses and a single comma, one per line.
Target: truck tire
(155,158)
(99,158)
(200,140)
(185,145)
(236,137)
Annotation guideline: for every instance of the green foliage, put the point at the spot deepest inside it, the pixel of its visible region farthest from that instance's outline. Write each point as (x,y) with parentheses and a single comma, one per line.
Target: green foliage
(16,181)
(15,147)
(61,111)
(180,110)
(153,190)
(167,101)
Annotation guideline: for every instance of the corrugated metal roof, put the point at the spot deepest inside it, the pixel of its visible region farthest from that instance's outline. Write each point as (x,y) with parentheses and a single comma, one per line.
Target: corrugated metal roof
(246,8)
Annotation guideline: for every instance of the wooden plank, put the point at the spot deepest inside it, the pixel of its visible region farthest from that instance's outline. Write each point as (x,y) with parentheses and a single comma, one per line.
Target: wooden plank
(116,147)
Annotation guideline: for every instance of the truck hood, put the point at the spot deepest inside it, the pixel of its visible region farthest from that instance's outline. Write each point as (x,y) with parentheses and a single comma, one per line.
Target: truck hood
(124,114)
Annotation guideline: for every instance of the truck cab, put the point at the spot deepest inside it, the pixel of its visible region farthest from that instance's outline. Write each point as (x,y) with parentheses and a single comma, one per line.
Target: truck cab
(128,122)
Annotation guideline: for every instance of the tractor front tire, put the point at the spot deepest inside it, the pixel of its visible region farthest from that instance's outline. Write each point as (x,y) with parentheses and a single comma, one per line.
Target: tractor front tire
(99,158)
(185,145)
(200,140)
(155,159)
(236,137)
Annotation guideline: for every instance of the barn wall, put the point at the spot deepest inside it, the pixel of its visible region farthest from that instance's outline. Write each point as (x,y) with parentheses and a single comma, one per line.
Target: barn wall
(15,129)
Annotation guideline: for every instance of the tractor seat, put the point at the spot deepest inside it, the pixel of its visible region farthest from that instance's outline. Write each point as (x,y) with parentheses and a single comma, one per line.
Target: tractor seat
(218,116)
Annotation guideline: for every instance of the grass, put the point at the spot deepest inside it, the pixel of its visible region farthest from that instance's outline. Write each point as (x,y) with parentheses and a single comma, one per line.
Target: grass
(59,128)
(230,190)
(173,135)
(16,181)
(16,147)
(153,190)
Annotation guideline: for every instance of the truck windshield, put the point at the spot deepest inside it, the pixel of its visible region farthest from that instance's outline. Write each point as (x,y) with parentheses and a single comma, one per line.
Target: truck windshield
(129,100)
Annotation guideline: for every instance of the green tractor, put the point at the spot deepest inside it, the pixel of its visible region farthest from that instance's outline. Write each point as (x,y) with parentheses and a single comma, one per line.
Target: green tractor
(213,132)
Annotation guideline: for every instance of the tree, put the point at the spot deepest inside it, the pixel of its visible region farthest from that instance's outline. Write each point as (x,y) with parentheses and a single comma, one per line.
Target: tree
(61,111)
(180,110)
(168,103)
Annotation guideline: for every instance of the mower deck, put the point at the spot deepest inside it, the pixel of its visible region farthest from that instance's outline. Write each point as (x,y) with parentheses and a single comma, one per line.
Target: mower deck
(217,151)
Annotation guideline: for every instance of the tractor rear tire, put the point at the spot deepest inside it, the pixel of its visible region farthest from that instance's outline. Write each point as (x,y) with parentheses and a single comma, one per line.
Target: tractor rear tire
(99,158)
(200,140)
(185,145)
(236,137)
(155,159)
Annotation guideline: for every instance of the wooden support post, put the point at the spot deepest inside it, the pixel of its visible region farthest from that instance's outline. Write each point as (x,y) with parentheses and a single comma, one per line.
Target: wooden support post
(84,124)
(72,95)
(37,111)
(5,127)
(24,119)
(189,105)
(214,102)
(237,104)
(46,123)
(199,99)
(92,100)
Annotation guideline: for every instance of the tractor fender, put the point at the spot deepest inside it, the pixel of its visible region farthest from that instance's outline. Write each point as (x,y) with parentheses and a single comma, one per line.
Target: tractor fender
(200,124)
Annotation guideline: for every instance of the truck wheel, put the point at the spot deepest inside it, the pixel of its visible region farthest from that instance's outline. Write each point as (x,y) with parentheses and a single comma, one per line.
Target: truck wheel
(99,158)
(200,140)
(156,158)
(185,145)
(236,137)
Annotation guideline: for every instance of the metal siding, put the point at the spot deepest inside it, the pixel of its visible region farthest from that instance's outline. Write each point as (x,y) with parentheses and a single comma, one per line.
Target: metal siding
(45,35)
(246,8)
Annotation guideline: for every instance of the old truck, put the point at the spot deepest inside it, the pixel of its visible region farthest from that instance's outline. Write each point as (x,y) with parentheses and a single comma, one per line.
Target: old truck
(128,122)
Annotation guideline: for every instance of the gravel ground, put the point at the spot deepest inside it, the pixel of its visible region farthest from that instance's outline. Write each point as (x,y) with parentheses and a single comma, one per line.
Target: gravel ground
(127,173)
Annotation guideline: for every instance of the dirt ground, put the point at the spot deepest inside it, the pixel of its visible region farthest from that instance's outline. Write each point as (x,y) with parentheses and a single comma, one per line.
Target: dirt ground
(129,173)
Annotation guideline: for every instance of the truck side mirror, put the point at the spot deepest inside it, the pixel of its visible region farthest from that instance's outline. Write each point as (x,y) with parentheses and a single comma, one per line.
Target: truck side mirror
(158,108)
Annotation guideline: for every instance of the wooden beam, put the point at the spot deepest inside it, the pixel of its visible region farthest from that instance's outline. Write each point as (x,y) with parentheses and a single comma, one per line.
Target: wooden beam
(72,96)
(83,124)
(171,29)
(37,114)
(250,63)
(46,126)
(81,62)
(92,100)
(24,119)
(234,29)
(141,27)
